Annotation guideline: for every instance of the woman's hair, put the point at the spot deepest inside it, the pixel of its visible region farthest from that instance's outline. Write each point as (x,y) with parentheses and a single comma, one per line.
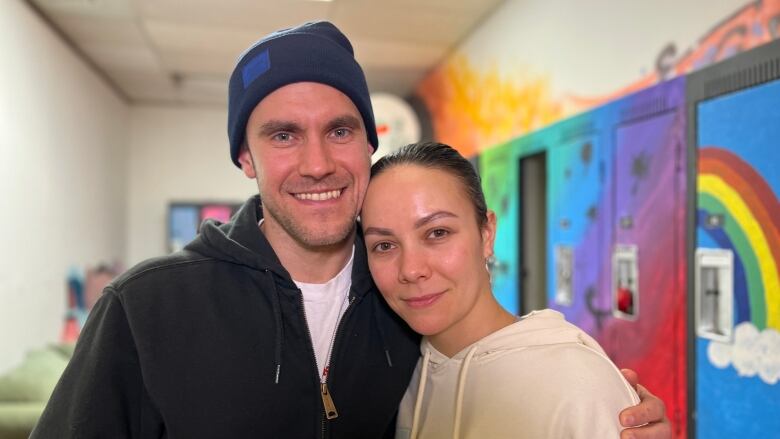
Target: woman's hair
(443,157)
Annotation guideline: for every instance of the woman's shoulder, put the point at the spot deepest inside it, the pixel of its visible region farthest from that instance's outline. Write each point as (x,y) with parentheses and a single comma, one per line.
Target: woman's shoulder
(543,328)
(553,354)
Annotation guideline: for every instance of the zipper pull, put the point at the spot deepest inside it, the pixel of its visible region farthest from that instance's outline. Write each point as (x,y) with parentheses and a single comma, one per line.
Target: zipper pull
(327,401)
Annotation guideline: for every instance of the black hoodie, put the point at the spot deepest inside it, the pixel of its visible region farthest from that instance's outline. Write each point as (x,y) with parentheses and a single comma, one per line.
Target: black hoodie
(212,342)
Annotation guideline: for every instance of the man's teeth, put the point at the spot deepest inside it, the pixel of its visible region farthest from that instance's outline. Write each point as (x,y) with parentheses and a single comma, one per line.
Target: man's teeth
(319,196)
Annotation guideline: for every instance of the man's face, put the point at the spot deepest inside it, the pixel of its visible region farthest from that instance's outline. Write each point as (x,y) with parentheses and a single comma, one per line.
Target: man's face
(308,150)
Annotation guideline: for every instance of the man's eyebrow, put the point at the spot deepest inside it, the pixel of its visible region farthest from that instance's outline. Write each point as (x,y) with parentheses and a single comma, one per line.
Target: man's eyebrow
(274,126)
(347,120)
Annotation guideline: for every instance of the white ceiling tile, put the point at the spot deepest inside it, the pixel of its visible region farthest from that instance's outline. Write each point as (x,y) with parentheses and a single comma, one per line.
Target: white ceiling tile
(403,23)
(389,54)
(260,16)
(182,51)
(198,63)
(109,30)
(113,57)
(165,35)
(416,6)
(147,87)
(91,8)
(204,91)
(396,81)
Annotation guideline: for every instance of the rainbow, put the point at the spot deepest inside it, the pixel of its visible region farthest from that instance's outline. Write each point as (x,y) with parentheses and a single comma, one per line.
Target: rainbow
(729,186)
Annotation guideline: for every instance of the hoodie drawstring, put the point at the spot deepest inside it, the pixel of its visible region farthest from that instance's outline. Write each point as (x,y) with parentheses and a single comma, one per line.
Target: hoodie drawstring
(464,370)
(275,304)
(420,393)
(381,333)
(461,387)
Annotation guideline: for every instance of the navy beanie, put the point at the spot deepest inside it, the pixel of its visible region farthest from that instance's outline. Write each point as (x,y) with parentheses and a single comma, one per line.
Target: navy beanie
(311,52)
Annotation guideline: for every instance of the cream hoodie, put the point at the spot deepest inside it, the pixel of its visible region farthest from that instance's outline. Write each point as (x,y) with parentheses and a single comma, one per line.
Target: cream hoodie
(541,377)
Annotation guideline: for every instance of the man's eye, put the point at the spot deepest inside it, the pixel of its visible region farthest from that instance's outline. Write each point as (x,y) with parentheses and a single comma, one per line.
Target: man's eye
(282,137)
(341,132)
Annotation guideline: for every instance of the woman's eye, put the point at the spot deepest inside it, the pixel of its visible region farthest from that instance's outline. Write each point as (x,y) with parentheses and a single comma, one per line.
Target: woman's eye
(383,247)
(439,233)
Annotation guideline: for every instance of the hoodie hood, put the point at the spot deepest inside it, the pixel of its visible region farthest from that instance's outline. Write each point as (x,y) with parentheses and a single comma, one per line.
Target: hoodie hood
(241,242)
(538,328)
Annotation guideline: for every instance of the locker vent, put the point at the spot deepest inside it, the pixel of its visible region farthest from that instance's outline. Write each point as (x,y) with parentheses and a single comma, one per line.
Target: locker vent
(753,75)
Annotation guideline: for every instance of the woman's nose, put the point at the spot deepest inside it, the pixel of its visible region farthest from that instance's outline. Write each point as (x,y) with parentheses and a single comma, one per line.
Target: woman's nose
(413,267)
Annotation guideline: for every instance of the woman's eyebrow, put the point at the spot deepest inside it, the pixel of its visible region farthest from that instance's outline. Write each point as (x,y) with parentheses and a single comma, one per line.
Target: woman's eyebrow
(434,216)
(417,224)
(377,231)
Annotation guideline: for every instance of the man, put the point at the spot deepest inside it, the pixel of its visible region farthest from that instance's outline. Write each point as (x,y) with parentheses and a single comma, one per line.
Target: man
(269,326)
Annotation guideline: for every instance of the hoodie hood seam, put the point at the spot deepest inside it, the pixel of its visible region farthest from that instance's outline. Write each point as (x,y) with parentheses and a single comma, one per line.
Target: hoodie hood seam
(239,241)
(122,281)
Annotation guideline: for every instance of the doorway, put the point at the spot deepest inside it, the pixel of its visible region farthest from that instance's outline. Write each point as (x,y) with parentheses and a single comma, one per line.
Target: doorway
(533,233)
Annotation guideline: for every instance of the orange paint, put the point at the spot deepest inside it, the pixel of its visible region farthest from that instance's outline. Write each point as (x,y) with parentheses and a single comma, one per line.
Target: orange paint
(473,110)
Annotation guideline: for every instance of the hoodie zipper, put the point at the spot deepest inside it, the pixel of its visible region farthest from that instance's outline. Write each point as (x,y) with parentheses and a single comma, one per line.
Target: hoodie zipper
(329,407)
(326,398)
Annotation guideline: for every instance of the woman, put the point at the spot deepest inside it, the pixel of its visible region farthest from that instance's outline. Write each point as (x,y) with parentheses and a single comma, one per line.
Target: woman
(484,372)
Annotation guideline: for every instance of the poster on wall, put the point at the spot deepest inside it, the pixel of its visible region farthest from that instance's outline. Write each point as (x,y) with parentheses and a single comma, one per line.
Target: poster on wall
(84,286)
(185,218)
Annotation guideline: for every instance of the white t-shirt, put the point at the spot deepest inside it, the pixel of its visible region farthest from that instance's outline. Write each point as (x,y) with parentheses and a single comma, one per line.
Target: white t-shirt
(324,305)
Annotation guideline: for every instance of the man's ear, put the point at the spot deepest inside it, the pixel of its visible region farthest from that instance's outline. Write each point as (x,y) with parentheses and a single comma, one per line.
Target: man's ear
(246,161)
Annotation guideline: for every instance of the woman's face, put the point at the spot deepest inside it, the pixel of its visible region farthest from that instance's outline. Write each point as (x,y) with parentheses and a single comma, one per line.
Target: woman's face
(426,251)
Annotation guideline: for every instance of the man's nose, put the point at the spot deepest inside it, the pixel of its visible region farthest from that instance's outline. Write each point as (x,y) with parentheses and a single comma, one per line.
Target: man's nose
(316,159)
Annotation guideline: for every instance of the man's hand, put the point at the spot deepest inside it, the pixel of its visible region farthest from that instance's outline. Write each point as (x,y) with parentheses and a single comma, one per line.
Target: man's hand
(648,418)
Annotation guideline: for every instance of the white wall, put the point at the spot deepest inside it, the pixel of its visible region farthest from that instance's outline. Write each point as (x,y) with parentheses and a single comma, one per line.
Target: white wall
(176,155)
(592,47)
(62,143)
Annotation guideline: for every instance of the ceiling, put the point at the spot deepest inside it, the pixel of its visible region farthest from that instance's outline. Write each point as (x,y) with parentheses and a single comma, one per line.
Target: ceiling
(181,52)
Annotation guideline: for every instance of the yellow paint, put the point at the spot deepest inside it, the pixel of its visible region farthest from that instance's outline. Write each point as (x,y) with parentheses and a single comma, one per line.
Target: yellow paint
(473,110)
(730,198)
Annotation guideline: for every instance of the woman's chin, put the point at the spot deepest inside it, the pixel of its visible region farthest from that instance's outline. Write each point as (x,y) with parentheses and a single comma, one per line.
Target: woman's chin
(425,327)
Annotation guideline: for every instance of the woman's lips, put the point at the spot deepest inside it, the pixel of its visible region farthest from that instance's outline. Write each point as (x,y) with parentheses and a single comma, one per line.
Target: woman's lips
(423,301)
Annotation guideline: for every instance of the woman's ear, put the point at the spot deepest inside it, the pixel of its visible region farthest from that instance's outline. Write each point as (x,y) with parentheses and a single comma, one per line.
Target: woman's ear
(489,234)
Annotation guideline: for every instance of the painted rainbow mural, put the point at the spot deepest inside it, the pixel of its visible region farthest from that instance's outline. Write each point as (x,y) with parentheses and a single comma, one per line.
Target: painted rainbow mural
(624,158)
(730,186)
(615,176)
(738,380)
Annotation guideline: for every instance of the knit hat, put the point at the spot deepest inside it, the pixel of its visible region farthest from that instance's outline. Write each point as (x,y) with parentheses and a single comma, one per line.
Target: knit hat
(315,52)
